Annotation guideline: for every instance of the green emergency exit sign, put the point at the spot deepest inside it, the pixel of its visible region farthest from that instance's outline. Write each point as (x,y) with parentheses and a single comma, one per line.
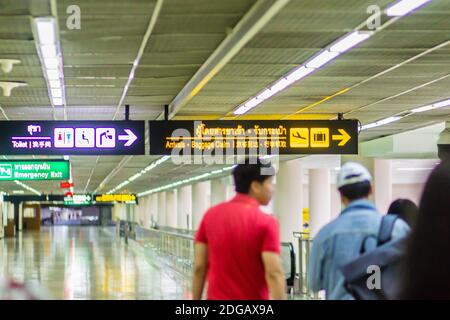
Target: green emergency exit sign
(34,170)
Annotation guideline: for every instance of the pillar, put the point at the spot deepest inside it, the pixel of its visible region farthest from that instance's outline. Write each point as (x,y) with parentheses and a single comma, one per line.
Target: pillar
(184,209)
(201,201)
(153,207)
(162,209)
(218,191)
(288,199)
(382,184)
(319,199)
(171,208)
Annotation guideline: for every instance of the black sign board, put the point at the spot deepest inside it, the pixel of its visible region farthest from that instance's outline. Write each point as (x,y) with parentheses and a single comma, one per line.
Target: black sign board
(258,137)
(72,137)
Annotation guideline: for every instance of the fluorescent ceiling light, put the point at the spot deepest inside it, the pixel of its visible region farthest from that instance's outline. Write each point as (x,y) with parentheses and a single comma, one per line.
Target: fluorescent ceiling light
(436,105)
(321,59)
(46,30)
(241,110)
(48,51)
(298,74)
(280,85)
(248,106)
(137,175)
(380,122)
(404,7)
(423,109)
(442,104)
(51,63)
(53,74)
(57,101)
(349,41)
(54,83)
(56,93)
(266,94)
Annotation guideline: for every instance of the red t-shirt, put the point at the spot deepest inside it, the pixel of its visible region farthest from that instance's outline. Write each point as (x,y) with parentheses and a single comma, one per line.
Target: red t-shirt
(237,232)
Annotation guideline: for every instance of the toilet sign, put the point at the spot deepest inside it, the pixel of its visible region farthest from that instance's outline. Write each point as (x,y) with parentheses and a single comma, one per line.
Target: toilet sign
(72,137)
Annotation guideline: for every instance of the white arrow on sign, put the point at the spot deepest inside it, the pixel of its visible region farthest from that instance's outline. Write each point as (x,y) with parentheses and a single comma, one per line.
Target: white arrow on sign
(130,137)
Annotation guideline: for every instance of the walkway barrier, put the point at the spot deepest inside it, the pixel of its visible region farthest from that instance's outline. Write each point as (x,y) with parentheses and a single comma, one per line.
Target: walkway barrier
(304,250)
(178,247)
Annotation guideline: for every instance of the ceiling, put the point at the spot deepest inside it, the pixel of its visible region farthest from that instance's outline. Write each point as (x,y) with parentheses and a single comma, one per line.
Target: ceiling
(98,59)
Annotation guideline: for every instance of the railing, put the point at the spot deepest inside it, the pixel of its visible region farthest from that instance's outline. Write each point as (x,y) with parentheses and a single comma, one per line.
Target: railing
(304,250)
(177,247)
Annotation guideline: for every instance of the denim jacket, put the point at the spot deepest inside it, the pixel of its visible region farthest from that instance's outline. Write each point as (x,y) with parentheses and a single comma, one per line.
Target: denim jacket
(339,242)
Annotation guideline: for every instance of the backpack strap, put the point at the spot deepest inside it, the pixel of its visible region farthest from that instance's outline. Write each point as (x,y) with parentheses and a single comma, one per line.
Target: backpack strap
(386,228)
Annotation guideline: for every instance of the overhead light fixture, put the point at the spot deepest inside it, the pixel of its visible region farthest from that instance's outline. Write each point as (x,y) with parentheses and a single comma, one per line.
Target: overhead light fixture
(433,106)
(442,104)
(54,83)
(329,53)
(50,54)
(186,181)
(404,7)
(56,93)
(321,59)
(298,74)
(316,62)
(48,51)
(23,185)
(51,63)
(53,74)
(278,86)
(57,101)
(381,122)
(350,41)
(46,29)
(139,174)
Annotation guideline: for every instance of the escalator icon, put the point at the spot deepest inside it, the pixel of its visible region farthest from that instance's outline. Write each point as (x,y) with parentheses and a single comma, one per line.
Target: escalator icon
(299,137)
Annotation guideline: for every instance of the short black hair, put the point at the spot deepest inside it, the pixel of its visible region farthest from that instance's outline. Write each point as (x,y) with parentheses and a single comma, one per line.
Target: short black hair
(356,191)
(251,170)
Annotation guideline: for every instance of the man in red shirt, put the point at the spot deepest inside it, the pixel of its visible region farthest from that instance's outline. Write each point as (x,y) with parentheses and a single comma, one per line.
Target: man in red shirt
(237,246)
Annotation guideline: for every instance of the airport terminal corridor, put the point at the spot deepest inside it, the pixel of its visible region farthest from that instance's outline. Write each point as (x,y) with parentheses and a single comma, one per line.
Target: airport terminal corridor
(224,150)
(88,263)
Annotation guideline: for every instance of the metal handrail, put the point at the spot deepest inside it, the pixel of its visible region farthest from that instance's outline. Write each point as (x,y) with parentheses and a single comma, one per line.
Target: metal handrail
(304,250)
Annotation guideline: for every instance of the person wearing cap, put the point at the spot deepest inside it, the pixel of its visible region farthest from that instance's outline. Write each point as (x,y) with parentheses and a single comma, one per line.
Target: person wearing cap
(340,241)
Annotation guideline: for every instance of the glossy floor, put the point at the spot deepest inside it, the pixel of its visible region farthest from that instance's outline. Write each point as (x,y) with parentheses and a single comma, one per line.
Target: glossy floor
(88,263)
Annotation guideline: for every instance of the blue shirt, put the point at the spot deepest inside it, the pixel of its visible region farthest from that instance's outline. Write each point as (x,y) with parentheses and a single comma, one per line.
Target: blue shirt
(340,242)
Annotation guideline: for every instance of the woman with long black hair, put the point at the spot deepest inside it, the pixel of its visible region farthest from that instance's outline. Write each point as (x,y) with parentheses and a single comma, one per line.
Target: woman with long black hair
(427,264)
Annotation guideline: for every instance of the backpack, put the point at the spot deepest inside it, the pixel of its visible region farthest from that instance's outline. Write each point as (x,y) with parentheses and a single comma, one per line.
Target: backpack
(386,255)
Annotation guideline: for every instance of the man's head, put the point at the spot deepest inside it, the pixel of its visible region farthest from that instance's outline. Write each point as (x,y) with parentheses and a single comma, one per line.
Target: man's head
(444,143)
(254,179)
(354,182)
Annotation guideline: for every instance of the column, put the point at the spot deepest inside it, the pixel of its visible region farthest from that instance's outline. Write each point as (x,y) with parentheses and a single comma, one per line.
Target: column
(171,208)
(218,191)
(201,201)
(162,209)
(153,208)
(184,214)
(288,199)
(382,186)
(319,199)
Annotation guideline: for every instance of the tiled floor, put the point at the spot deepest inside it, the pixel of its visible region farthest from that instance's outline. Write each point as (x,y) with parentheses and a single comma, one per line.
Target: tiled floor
(87,263)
